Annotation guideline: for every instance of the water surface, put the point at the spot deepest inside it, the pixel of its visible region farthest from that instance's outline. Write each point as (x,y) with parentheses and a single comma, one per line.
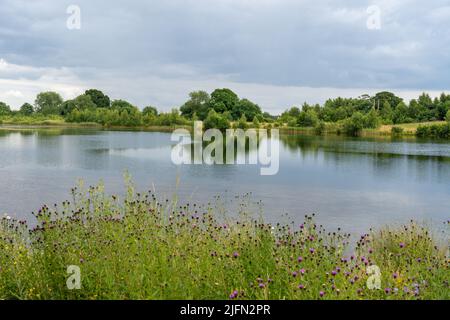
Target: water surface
(353,183)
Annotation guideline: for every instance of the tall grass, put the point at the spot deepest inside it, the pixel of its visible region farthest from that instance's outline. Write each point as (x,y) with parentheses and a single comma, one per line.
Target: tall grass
(143,248)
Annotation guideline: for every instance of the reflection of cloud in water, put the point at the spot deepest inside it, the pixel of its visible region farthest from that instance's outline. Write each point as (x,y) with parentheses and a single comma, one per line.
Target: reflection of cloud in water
(158,153)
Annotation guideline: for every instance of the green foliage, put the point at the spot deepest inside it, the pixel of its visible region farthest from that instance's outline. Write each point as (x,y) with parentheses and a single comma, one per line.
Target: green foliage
(447,117)
(242,123)
(434,131)
(98,98)
(216,120)
(308,118)
(224,100)
(256,124)
(149,110)
(320,127)
(26,109)
(397,131)
(354,125)
(247,108)
(48,103)
(4,109)
(122,105)
(197,105)
(372,120)
(136,248)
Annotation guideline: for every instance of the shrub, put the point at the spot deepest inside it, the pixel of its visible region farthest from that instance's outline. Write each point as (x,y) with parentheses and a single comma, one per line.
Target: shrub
(354,124)
(320,127)
(396,131)
(215,120)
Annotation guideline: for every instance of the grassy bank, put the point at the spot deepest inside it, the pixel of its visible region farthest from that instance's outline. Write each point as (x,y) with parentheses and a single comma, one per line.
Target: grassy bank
(144,248)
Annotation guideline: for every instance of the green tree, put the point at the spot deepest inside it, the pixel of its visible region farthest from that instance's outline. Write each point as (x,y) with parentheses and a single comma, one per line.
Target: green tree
(122,105)
(224,100)
(372,119)
(386,112)
(385,96)
(98,98)
(354,124)
(400,114)
(198,104)
(242,123)
(447,117)
(247,108)
(256,124)
(4,109)
(308,118)
(217,121)
(48,103)
(26,109)
(149,110)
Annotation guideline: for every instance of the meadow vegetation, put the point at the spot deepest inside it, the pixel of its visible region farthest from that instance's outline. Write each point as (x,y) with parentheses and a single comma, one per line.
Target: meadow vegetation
(143,247)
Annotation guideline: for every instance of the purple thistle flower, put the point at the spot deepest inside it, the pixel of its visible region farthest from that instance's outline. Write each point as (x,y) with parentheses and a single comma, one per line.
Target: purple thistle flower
(300,259)
(321,293)
(235,254)
(395,275)
(302,271)
(311,250)
(334,272)
(300,286)
(261,285)
(387,290)
(294,274)
(234,294)
(402,244)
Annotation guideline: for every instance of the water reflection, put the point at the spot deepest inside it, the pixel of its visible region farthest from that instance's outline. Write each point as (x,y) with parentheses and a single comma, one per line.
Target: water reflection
(348,182)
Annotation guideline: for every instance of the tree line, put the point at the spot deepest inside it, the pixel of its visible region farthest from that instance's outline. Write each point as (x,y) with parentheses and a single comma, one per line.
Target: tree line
(223,108)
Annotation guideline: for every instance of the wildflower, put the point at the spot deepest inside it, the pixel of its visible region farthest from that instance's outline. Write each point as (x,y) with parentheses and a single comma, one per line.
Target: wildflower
(235,254)
(395,275)
(234,294)
(302,271)
(261,285)
(301,286)
(333,273)
(402,244)
(419,260)
(311,250)
(300,259)
(294,274)
(387,290)
(321,293)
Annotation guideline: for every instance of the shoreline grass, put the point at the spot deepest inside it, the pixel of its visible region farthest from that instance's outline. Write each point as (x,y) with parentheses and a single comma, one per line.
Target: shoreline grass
(142,247)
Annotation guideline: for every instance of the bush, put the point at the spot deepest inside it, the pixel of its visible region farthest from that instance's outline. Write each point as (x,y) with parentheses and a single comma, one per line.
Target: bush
(354,125)
(320,127)
(397,131)
(308,118)
(215,120)
(434,131)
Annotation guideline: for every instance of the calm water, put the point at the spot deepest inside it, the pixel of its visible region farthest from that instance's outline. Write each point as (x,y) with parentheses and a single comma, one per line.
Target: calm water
(351,183)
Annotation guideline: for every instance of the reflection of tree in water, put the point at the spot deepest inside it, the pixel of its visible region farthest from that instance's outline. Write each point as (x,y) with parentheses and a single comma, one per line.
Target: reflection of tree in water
(378,154)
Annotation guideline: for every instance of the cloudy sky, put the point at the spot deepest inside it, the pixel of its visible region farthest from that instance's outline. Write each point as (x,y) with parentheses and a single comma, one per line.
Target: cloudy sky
(277,53)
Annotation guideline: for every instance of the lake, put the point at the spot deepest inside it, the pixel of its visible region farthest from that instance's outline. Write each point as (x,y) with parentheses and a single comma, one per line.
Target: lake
(353,183)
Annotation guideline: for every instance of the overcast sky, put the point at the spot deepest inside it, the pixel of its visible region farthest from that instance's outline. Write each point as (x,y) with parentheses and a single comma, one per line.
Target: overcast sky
(277,53)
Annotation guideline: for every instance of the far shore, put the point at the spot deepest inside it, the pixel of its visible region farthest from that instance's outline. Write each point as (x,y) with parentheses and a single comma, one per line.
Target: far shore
(409,129)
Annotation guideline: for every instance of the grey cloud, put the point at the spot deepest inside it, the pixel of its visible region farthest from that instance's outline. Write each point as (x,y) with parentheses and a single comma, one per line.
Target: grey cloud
(129,46)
